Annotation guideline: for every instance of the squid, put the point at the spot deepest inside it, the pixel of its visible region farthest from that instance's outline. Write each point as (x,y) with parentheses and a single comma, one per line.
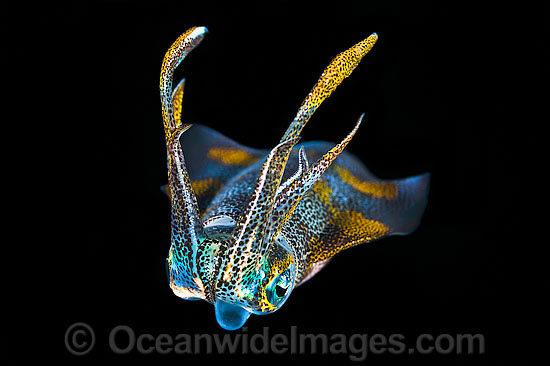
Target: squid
(250,225)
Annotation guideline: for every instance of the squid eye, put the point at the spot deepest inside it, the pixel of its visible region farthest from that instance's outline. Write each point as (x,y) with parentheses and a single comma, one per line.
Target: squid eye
(279,289)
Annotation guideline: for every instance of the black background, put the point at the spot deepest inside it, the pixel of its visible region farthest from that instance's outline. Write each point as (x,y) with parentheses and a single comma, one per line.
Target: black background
(93,73)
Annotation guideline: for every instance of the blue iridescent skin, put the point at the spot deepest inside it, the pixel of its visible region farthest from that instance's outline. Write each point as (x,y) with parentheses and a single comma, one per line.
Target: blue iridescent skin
(250,225)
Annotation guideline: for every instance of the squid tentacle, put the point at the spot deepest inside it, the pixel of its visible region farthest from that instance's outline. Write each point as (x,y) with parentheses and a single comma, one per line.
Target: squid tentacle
(303,166)
(340,68)
(251,227)
(291,195)
(186,226)
(177,102)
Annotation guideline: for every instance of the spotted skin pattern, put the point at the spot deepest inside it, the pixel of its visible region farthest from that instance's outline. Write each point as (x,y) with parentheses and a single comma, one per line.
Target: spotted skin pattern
(187,229)
(340,68)
(249,225)
(177,102)
(287,200)
(246,244)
